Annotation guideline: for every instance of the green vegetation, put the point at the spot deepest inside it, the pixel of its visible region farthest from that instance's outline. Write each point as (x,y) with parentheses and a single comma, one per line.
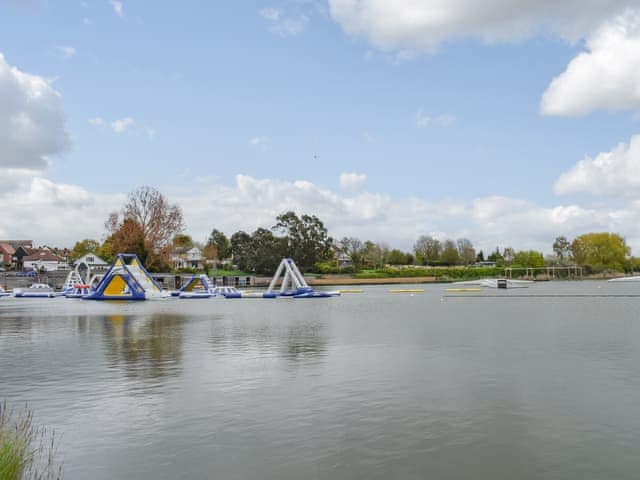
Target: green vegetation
(26,452)
(152,228)
(440,273)
(304,238)
(600,251)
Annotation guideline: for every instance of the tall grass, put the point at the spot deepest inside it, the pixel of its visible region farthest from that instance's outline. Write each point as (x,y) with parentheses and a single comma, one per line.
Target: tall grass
(26,451)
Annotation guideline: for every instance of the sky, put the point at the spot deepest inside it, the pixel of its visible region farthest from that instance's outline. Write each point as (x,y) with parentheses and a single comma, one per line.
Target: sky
(508,122)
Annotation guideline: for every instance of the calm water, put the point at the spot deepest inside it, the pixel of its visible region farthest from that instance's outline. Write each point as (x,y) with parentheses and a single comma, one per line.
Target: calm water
(369,386)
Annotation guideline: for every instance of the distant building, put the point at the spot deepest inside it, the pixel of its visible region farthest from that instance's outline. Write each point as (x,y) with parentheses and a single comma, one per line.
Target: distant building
(44,260)
(342,259)
(187,257)
(7,253)
(95,263)
(484,264)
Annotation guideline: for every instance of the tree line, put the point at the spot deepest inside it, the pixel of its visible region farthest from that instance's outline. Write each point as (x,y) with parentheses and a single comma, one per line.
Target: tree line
(152,227)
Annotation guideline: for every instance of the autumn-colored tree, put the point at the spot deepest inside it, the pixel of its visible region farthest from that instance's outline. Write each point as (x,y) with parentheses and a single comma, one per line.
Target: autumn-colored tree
(159,220)
(127,238)
(146,226)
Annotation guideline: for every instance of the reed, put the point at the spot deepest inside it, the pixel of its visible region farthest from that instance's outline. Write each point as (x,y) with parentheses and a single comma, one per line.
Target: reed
(26,451)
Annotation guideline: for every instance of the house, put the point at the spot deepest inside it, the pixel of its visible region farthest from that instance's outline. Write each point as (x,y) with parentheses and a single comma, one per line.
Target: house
(6,254)
(93,261)
(44,260)
(187,257)
(341,258)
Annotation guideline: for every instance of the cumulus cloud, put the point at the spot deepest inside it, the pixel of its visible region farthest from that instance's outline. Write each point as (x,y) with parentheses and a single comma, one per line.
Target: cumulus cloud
(32,122)
(352,180)
(122,125)
(614,173)
(422,25)
(48,212)
(285,25)
(606,76)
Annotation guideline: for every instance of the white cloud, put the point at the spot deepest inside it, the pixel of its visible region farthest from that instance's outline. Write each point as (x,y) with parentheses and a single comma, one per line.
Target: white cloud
(65,51)
(261,142)
(285,25)
(117,7)
(123,124)
(352,181)
(444,120)
(422,25)
(614,173)
(96,121)
(48,212)
(151,132)
(32,123)
(606,76)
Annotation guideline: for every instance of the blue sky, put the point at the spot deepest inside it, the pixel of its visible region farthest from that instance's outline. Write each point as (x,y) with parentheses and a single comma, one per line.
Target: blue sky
(438,118)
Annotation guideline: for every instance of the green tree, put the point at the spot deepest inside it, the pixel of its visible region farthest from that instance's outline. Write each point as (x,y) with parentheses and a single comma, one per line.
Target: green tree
(241,249)
(529,259)
(221,242)
(83,247)
(496,257)
(480,256)
(182,241)
(562,248)
(306,238)
(353,247)
(373,254)
(450,254)
(427,250)
(601,251)
(266,251)
(398,257)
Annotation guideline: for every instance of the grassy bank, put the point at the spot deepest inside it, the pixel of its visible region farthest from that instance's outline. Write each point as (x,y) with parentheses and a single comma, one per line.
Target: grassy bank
(26,451)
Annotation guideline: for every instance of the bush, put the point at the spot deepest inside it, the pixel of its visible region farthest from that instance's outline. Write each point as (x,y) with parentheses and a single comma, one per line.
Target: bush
(327,268)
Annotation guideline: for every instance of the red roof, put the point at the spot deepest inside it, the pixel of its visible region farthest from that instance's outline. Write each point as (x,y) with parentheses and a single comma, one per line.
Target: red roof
(43,255)
(7,249)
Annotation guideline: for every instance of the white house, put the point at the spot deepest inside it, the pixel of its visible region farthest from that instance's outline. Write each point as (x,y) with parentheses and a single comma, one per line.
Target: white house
(44,260)
(94,262)
(186,257)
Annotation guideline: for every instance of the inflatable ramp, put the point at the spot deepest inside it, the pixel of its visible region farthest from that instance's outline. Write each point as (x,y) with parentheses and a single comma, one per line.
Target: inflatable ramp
(127,279)
(197,286)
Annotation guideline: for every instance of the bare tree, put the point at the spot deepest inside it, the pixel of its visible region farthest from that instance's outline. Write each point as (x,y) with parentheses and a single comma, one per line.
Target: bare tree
(466,251)
(159,220)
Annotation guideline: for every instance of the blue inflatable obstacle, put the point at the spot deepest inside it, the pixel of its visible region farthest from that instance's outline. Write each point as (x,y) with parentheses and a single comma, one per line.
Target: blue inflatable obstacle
(127,279)
(292,285)
(197,286)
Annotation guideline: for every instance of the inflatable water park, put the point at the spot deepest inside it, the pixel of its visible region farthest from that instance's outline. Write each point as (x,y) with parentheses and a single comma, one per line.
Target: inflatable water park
(292,285)
(127,279)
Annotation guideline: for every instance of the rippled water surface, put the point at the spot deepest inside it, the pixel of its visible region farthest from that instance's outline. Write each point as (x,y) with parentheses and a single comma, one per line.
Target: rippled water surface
(366,386)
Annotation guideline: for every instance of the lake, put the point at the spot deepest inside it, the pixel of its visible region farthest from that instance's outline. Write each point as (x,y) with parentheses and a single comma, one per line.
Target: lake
(514,384)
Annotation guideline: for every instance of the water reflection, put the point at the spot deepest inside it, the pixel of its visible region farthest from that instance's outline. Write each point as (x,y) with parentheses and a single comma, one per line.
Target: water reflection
(147,347)
(294,341)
